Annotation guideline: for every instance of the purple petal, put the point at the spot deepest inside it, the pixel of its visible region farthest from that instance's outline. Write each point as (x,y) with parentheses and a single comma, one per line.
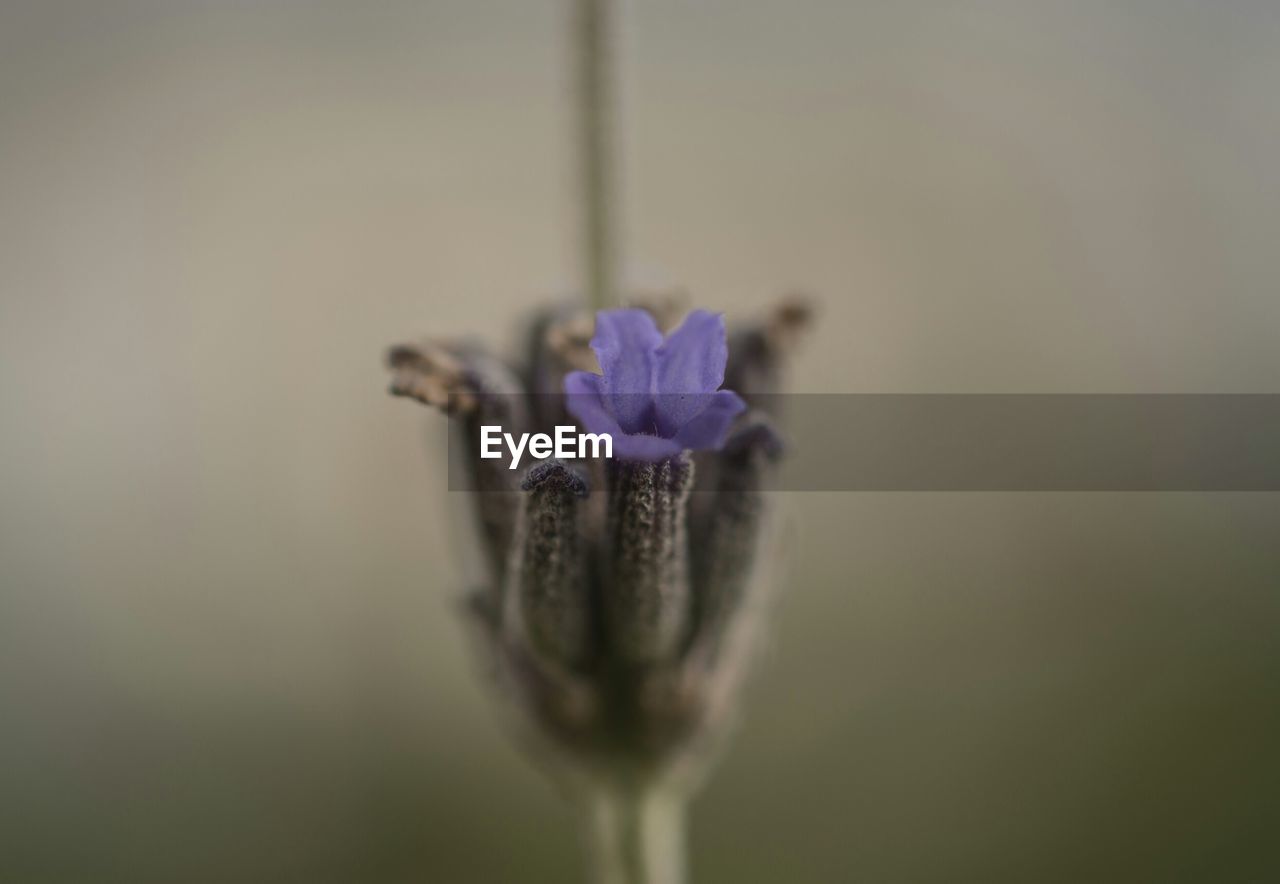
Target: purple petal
(585,401)
(692,358)
(690,363)
(708,429)
(626,343)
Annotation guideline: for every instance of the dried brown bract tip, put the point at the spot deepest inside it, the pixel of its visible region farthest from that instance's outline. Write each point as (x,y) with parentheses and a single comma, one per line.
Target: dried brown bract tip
(568,339)
(433,374)
(759,351)
(788,319)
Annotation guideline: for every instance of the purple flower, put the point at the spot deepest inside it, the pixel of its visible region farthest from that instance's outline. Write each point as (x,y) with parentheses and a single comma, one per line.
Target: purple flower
(657,397)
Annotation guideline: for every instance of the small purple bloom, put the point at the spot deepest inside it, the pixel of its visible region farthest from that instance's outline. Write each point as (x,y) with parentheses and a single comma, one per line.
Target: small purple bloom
(656,397)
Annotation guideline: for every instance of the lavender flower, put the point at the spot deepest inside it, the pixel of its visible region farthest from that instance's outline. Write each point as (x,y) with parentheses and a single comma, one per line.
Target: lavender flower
(619,605)
(656,397)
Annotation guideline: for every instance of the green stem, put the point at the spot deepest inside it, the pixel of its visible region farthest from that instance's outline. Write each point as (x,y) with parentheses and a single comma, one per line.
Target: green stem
(596,149)
(636,837)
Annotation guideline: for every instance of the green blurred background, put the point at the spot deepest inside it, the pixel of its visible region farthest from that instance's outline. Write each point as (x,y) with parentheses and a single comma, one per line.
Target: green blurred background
(229,648)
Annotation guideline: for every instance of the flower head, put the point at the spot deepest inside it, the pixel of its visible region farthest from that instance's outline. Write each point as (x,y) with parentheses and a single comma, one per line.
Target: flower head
(657,396)
(616,608)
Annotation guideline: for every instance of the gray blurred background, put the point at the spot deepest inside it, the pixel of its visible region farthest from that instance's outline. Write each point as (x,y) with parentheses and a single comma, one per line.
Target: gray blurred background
(229,648)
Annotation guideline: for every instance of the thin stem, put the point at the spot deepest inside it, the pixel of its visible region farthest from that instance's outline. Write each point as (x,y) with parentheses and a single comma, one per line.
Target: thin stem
(636,837)
(593,31)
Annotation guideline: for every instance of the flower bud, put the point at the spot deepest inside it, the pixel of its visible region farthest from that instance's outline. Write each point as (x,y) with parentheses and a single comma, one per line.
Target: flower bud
(728,537)
(646,600)
(547,576)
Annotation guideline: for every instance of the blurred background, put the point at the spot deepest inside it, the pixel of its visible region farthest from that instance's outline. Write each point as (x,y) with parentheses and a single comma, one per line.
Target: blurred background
(229,643)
